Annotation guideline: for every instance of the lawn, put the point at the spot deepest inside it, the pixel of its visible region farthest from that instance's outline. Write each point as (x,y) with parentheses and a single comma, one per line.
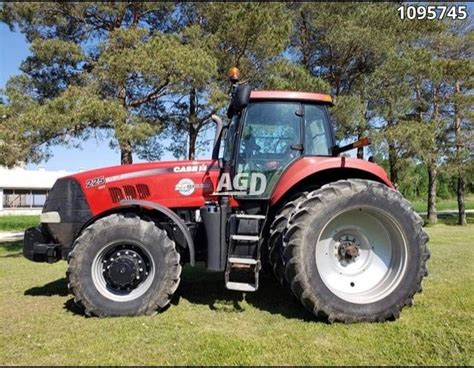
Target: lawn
(209,325)
(444,204)
(18,223)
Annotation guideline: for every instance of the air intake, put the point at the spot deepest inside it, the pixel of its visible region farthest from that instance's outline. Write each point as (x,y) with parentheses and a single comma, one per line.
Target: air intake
(140,191)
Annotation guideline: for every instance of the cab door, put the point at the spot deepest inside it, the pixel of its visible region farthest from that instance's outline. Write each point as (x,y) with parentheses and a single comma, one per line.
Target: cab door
(270,140)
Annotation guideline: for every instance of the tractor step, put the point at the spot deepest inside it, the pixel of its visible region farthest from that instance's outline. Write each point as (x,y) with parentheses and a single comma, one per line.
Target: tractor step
(242,274)
(245,216)
(252,238)
(246,261)
(243,259)
(241,286)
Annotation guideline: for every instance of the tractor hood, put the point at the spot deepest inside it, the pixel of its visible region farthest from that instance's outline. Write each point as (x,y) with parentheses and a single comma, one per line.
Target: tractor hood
(174,184)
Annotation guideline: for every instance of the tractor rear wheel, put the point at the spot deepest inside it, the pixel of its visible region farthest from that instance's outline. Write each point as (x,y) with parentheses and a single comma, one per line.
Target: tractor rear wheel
(123,265)
(357,252)
(275,241)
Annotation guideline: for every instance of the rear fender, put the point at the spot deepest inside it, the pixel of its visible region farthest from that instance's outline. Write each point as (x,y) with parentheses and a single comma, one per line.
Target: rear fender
(313,172)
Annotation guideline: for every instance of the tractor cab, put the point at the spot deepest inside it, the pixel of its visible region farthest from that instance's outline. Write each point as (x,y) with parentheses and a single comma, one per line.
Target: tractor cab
(273,130)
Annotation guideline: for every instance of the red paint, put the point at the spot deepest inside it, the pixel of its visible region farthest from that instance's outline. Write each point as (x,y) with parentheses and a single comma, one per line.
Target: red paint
(291,96)
(162,186)
(163,190)
(312,165)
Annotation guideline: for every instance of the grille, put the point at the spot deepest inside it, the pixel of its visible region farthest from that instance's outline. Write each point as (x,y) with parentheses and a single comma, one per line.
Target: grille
(143,191)
(130,192)
(140,191)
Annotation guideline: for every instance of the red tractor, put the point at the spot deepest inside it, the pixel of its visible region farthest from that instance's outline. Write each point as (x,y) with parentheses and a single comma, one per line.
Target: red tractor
(275,192)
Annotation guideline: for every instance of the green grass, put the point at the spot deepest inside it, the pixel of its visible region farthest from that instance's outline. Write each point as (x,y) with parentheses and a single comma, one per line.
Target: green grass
(18,223)
(207,324)
(443,204)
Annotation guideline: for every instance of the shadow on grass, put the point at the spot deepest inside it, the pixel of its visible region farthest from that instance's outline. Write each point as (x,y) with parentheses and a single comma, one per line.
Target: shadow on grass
(12,246)
(53,288)
(57,288)
(451,219)
(201,287)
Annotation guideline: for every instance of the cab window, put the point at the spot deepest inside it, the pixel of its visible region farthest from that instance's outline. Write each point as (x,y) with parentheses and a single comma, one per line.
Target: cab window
(317,134)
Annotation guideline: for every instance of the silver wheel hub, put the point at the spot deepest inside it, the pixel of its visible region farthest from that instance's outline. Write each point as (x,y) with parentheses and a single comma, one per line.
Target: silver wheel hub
(123,271)
(361,255)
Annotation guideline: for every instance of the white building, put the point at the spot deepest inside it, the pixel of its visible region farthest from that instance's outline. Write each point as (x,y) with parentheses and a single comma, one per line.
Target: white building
(23,192)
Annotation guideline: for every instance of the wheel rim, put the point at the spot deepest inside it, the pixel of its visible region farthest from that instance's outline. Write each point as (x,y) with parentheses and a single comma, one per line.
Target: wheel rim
(123,271)
(361,255)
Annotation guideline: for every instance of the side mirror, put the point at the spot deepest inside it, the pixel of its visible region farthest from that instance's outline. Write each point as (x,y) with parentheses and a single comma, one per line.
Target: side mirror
(240,99)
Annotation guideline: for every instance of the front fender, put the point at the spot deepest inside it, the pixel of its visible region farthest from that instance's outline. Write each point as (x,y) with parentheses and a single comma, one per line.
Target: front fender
(308,167)
(172,216)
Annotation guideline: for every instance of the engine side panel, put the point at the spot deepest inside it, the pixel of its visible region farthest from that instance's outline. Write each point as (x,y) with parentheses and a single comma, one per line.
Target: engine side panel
(183,184)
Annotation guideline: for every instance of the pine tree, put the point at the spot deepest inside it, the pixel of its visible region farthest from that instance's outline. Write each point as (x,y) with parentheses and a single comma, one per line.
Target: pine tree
(119,60)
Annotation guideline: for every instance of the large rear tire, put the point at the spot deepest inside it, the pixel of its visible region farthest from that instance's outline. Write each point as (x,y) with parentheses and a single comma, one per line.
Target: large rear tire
(275,241)
(123,265)
(357,252)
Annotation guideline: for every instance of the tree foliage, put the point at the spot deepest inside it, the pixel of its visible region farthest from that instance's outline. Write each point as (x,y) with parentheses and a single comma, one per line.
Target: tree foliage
(146,77)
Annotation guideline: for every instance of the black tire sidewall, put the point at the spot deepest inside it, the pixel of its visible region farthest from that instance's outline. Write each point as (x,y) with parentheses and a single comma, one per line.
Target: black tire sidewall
(149,240)
(382,199)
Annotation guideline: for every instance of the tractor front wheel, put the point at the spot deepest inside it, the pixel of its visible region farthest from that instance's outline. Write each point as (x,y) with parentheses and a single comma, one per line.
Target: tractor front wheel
(357,252)
(123,265)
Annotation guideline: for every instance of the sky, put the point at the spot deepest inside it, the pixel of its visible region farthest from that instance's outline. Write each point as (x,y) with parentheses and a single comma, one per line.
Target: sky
(13,50)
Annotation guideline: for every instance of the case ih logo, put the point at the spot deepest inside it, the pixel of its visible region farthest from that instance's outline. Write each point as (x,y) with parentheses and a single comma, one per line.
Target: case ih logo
(243,184)
(190,168)
(187,186)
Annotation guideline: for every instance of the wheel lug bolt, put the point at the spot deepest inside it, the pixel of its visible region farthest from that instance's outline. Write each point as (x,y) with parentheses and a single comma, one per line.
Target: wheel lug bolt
(111,259)
(139,261)
(141,269)
(118,254)
(138,277)
(126,252)
(134,255)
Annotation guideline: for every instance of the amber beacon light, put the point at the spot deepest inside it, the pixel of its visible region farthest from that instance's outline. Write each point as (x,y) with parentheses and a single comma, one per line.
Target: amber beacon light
(234,74)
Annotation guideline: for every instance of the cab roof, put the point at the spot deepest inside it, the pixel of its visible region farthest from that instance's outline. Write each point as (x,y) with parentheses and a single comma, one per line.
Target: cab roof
(289,95)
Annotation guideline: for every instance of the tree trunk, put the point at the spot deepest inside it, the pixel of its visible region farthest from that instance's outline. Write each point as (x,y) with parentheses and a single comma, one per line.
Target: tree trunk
(432,170)
(393,162)
(461,207)
(432,173)
(461,182)
(192,131)
(125,153)
(192,143)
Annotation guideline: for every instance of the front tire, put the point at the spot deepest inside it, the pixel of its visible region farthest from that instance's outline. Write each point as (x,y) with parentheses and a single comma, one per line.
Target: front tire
(357,252)
(123,265)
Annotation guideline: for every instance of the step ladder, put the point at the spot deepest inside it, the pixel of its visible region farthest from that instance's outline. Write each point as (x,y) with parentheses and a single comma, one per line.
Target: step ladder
(243,259)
